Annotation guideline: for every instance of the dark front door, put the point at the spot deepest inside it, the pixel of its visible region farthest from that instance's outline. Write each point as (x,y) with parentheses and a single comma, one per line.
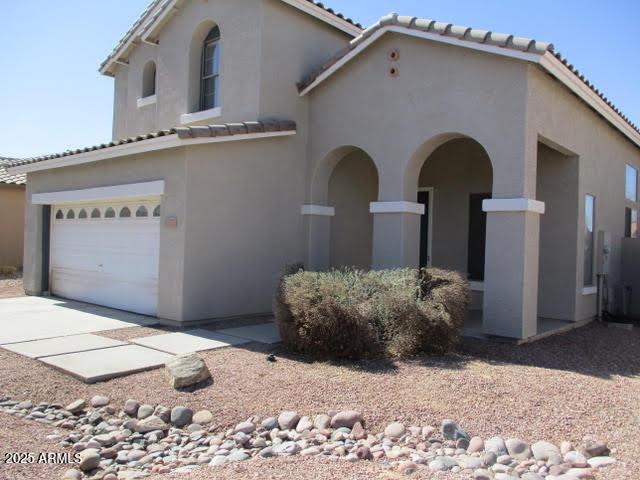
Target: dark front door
(477,236)
(425,199)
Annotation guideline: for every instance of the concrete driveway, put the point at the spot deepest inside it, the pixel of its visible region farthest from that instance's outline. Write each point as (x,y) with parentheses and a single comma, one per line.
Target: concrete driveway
(27,319)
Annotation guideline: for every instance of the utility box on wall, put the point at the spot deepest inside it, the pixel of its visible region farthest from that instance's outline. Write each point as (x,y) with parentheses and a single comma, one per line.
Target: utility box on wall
(630,294)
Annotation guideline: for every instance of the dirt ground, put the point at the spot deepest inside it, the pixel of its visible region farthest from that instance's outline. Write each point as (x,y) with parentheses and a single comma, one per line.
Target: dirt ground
(11,286)
(585,382)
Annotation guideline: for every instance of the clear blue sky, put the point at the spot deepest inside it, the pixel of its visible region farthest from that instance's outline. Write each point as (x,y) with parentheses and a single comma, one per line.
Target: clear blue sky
(53,98)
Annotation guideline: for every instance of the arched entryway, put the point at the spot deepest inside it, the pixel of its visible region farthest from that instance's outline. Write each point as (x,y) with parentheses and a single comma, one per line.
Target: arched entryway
(352,186)
(454,180)
(338,220)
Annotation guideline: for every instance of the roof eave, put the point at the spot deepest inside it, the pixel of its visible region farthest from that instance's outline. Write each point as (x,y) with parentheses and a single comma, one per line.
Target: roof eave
(144,146)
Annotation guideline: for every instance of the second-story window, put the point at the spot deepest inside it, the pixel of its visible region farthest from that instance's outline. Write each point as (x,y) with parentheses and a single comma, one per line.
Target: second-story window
(149,80)
(210,77)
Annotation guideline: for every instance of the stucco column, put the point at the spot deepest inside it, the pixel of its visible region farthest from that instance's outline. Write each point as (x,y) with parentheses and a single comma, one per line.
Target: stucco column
(32,263)
(317,225)
(396,234)
(511,267)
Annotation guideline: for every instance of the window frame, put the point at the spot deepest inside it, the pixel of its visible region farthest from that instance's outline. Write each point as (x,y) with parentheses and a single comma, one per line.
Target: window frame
(212,40)
(627,169)
(589,281)
(149,85)
(630,222)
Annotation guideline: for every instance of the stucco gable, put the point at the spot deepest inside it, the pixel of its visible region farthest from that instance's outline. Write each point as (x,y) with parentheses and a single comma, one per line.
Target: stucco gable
(526,49)
(159,12)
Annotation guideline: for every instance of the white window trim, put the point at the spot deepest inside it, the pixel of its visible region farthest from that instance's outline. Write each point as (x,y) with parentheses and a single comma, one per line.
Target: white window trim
(98,194)
(146,101)
(513,205)
(203,116)
(593,290)
(318,210)
(397,207)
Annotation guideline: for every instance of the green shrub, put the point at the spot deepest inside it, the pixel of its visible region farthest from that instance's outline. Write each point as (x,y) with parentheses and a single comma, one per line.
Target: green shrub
(354,314)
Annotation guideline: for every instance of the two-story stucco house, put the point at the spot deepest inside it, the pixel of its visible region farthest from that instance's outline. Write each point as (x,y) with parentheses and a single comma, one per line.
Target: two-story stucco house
(285,132)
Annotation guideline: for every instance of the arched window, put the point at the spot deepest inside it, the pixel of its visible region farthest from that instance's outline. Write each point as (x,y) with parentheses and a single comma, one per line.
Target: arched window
(125,212)
(156,211)
(95,213)
(59,215)
(110,213)
(142,211)
(210,71)
(149,79)
(82,214)
(71,214)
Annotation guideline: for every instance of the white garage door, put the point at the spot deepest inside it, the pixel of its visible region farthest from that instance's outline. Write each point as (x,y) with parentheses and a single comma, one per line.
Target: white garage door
(107,254)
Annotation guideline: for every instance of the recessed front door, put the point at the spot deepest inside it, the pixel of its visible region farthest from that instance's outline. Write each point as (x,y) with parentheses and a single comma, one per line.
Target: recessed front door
(425,198)
(477,236)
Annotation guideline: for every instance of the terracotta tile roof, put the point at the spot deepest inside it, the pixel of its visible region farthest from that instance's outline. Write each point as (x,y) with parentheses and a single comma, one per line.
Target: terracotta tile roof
(222,130)
(158,7)
(5,177)
(459,32)
(593,88)
(243,128)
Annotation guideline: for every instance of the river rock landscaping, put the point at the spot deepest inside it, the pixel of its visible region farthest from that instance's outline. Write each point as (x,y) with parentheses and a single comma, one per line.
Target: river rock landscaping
(136,441)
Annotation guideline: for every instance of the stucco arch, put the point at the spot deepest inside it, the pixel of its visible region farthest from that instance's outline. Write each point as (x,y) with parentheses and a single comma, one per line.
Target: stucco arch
(195,62)
(325,167)
(422,154)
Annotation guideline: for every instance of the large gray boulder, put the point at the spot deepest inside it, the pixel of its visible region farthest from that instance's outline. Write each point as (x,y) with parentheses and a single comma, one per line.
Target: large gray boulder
(186,370)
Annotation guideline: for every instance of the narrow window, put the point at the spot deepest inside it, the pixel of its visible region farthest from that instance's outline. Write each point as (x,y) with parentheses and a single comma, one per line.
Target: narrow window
(630,223)
(149,80)
(71,214)
(156,211)
(110,213)
(95,213)
(142,211)
(631,184)
(59,215)
(125,212)
(589,239)
(210,71)
(82,214)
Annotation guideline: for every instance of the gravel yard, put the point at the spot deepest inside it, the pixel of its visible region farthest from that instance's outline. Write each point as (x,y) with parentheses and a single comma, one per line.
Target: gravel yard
(586,382)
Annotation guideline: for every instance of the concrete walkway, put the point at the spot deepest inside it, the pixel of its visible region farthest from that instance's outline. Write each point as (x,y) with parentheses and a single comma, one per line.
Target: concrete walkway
(27,319)
(60,332)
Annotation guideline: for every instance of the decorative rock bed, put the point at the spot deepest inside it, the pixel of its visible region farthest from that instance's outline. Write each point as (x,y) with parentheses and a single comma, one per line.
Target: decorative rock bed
(142,439)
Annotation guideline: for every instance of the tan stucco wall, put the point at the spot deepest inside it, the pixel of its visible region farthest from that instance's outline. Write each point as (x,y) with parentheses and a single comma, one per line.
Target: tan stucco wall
(12,225)
(168,165)
(392,118)
(240,27)
(243,225)
(602,152)
(266,47)
(455,171)
(352,187)
(558,189)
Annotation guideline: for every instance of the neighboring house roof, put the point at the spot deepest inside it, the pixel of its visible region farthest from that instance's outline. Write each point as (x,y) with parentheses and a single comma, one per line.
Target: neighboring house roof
(155,16)
(528,49)
(6,177)
(175,137)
